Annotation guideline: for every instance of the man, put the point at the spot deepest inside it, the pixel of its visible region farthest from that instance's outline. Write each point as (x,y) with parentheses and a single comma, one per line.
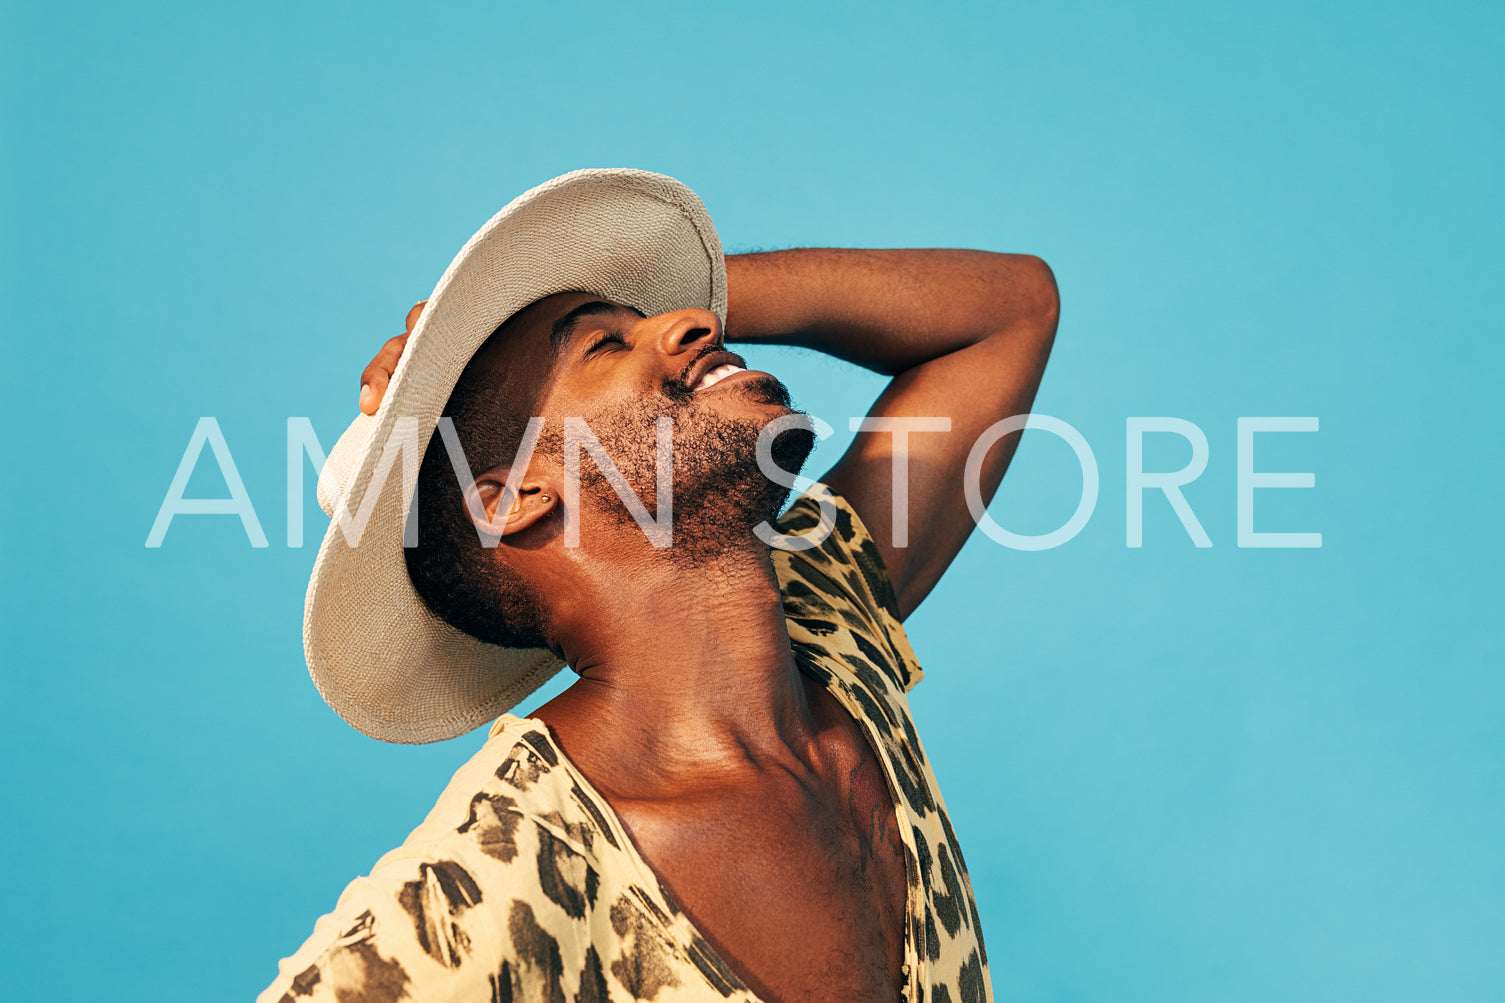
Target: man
(730,802)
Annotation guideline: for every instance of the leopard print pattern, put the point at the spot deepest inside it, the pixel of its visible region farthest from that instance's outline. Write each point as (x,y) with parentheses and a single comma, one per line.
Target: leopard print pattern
(522,885)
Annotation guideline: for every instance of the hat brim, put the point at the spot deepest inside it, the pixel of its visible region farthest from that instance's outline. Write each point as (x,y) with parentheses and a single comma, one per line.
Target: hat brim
(386,664)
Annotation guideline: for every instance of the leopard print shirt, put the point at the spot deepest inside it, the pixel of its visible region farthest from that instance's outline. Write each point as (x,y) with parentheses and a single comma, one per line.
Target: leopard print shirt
(522,885)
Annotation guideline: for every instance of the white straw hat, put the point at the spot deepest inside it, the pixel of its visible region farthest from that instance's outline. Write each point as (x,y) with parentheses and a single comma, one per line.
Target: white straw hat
(386,664)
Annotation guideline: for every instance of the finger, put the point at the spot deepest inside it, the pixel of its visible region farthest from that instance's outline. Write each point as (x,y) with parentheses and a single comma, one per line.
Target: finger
(378,373)
(372,391)
(415,313)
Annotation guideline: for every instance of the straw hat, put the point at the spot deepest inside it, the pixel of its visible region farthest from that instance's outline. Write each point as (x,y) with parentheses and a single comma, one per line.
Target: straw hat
(378,656)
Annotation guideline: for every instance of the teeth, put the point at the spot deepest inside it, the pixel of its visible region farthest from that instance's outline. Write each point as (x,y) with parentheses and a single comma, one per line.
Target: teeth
(716,375)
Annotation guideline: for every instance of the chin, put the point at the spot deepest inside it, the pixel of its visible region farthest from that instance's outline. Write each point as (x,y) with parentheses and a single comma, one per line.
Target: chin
(763,389)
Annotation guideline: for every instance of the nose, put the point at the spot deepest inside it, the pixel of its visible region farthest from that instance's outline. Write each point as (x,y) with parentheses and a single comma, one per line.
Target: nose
(689,331)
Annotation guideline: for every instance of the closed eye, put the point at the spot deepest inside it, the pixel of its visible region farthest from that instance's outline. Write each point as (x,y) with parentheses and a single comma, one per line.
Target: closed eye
(601,343)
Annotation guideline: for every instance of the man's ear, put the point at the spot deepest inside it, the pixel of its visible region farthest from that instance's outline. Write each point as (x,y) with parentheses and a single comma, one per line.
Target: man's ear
(504,512)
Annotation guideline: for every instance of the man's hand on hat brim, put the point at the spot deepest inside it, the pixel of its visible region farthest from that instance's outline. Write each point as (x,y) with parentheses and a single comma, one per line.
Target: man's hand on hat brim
(375,376)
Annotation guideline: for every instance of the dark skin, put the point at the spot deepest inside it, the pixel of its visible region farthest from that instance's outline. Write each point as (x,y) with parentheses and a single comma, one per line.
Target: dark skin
(747,788)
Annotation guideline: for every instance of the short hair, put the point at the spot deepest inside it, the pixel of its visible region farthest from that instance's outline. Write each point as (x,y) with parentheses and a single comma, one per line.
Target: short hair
(457,577)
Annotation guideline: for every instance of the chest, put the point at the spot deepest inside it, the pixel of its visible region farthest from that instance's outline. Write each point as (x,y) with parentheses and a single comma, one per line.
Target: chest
(801,889)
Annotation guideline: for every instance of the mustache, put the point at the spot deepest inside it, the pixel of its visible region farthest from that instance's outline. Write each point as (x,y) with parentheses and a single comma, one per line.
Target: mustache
(708,350)
(678,389)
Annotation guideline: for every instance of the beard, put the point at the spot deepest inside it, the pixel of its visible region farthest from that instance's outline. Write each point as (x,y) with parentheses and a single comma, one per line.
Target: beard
(719,492)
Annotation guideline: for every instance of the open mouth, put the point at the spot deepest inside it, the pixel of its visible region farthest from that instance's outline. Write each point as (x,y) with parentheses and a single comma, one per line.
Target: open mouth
(715,376)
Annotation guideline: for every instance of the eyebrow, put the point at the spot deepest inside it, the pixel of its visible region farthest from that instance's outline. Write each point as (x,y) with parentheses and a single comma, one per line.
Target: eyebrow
(564,328)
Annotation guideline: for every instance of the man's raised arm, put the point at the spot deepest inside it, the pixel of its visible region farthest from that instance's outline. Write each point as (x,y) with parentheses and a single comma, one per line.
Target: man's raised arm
(965,335)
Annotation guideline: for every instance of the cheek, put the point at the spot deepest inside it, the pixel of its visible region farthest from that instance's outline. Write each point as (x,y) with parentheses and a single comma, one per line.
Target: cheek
(590,401)
(612,387)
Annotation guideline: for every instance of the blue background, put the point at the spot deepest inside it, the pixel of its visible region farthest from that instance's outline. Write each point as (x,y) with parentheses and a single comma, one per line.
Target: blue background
(1178,774)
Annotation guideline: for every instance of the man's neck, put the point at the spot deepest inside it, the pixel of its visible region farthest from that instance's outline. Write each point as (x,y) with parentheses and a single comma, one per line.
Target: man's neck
(686,673)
